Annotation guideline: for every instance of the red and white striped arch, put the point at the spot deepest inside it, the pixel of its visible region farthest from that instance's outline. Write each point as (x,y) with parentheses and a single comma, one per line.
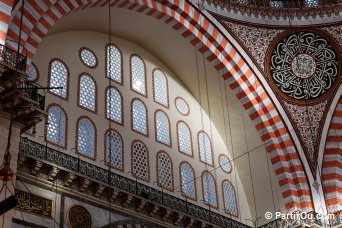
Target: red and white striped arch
(332,162)
(40,16)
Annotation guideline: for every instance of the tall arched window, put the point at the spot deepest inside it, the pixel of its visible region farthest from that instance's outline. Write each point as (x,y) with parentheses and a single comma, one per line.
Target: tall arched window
(184,138)
(204,146)
(114,63)
(209,189)
(114,106)
(229,197)
(139,117)
(87,92)
(188,181)
(138,75)
(114,149)
(140,161)
(160,88)
(162,127)
(33,73)
(59,77)
(86,138)
(56,128)
(165,170)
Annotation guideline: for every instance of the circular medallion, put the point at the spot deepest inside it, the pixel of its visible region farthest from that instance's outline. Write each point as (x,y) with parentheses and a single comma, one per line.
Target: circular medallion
(79,216)
(303,66)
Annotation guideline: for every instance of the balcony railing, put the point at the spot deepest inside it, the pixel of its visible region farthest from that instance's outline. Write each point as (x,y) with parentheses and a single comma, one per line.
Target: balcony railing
(30,91)
(12,58)
(38,151)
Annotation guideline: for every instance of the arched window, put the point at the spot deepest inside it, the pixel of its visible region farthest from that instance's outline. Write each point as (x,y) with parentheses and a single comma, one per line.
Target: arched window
(114,104)
(188,181)
(140,161)
(56,128)
(229,196)
(87,92)
(184,138)
(204,146)
(86,137)
(160,88)
(139,117)
(114,63)
(162,126)
(59,77)
(114,149)
(138,75)
(209,189)
(33,73)
(165,170)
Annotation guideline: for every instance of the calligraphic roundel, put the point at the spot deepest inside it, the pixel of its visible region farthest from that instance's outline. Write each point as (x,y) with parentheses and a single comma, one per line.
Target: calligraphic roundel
(303,65)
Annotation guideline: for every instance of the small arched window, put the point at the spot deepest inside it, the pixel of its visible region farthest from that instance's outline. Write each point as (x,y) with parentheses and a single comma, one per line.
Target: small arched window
(139,117)
(86,138)
(114,107)
(204,146)
(165,171)
(114,149)
(33,73)
(209,189)
(229,196)
(138,75)
(56,128)
(188,181)
(87,92)
(162,126)
(140,161)
(59,77)
(160,88)
(184,138)
(114,63)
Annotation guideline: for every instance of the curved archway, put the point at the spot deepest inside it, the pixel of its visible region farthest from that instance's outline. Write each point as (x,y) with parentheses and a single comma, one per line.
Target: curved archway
(196,28)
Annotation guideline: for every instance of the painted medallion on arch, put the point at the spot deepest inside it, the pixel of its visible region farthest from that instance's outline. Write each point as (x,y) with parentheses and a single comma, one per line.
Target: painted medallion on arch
(303,66)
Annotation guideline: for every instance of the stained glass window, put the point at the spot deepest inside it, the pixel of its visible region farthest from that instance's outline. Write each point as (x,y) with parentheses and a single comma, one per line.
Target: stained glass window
(184,138)
(56,126)
(204,145)
(160,88)
(114,105)
(139,117)
(229,196)
(182,106)
(225,163)
(138,83)
(162,128)
(86,138)
(140,167)
(32,73)
(165,173)
(59,78)
(209,189)
(188,180)
(114,63)
(88,57)
(114,149)
(87,92)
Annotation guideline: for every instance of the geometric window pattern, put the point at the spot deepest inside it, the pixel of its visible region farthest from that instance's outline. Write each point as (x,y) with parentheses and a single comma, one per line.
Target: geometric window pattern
(58,78)
(32,73)
(163,128)
(229,196)
(188,181)
(138,75)
(114,149)
(114,104)
(160,88)
(184,138)
(140,161)
(87,92)
(114,63)
(165,172)
(209,189)
(182,106)
(88,58)
(56,127)
(139,117)
(86,138)
(204,145)
(225,164)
